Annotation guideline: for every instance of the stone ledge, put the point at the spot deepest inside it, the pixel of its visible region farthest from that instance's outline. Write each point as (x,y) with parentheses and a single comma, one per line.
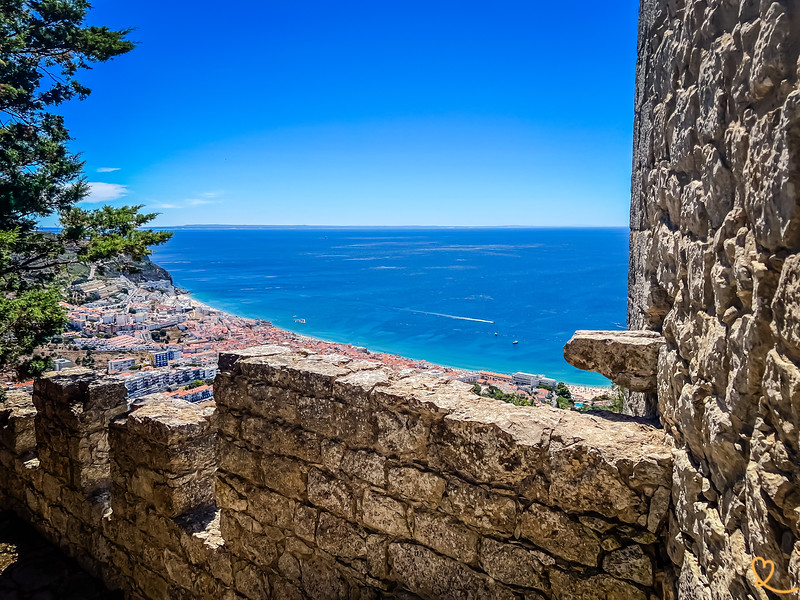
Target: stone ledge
(628,358)
(555,453)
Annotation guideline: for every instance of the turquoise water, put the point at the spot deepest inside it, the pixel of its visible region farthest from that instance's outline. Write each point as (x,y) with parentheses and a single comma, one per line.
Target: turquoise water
(435,294)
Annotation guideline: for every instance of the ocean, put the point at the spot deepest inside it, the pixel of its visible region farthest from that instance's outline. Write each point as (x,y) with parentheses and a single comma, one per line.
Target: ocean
(452,296)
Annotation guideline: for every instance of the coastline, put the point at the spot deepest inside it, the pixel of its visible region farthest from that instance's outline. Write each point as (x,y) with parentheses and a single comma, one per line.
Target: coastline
(315,343)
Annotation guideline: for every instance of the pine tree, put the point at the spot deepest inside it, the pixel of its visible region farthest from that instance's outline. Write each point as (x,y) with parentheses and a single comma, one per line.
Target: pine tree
(44,44)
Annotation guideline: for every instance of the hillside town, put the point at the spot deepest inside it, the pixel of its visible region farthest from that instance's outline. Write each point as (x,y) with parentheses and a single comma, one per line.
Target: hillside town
(157,338)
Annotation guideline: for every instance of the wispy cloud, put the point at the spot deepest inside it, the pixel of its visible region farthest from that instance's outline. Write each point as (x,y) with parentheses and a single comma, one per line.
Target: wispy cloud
(107,169)
(201,200)
(105,192)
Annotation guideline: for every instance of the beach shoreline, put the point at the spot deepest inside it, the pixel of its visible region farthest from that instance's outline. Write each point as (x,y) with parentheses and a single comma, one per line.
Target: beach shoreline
(586,392)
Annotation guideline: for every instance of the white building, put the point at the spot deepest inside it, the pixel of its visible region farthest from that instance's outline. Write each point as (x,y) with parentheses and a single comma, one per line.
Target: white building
(160,359)
(62,363)
(527,379)
(120,363)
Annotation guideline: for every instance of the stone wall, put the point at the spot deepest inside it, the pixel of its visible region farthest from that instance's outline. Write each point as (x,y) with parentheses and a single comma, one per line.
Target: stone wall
(714,267)
(321,477)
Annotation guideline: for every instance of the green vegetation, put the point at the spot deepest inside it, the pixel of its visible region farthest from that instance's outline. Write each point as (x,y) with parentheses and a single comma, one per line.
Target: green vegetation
(43,45)
(498,394)
(616,399)
(563,391)
(35,367)
(195,384)
(564,403)
(87,361)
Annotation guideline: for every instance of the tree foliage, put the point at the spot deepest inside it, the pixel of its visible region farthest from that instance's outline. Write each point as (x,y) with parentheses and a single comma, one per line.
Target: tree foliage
(44,44)
(563,391)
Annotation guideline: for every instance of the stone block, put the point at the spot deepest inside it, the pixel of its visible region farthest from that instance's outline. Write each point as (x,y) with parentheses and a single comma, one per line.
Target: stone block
(366,466)
(72,416)
(322,580)
(401,434)
(340,538)
(629,358)
(570,586)
(258,433)
(514,564)
(336,420)
(557,534)
(445,535)
(17,415)
(630,563)
(480,507)
(331,494)
(356,389)
(433,576)
(384,514)
(414,484)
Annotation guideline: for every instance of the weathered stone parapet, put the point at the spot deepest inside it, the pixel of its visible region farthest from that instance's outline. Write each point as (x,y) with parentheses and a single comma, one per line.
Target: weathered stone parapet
(17,446)
(17,432)
(163,454)
(629,358)
(73,413)
(322,477)
(162,498)
(344,472)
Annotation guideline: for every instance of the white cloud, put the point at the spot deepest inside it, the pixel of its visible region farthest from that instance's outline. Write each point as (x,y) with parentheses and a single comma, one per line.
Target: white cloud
(190,202)
(107,169)
(105,192)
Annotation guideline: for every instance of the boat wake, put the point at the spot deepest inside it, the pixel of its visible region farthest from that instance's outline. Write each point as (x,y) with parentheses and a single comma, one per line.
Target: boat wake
(435,314)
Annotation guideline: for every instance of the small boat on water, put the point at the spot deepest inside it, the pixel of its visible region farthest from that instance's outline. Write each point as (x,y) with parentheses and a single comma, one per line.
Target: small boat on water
(299,320)
(515,342)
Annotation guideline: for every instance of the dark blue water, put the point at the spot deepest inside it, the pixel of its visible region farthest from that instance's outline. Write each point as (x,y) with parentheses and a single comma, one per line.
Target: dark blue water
(433,294)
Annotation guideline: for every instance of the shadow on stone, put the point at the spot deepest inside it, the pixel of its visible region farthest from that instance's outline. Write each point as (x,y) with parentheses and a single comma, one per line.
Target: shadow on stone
(32,568)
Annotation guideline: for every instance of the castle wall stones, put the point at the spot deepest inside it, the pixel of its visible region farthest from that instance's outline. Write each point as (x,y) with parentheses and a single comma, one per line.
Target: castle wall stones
(715,269)
(323,477)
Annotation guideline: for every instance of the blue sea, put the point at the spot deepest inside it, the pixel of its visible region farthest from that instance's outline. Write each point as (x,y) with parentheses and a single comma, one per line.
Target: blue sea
(451,296)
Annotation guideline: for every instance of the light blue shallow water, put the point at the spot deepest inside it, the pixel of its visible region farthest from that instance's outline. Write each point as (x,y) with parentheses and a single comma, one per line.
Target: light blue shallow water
(433,294)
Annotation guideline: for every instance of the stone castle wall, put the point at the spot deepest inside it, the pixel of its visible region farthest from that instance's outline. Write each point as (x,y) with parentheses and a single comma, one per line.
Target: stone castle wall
(321,477)
(714,267)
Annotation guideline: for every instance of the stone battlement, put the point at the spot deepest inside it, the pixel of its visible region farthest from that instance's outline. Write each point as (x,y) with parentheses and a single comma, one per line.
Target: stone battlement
(326,477)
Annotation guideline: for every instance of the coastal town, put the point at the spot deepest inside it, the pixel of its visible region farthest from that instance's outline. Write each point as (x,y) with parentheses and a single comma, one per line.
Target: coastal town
(157,338)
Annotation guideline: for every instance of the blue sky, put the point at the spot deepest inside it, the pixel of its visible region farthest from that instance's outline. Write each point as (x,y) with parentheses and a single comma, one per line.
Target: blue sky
(365,113)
